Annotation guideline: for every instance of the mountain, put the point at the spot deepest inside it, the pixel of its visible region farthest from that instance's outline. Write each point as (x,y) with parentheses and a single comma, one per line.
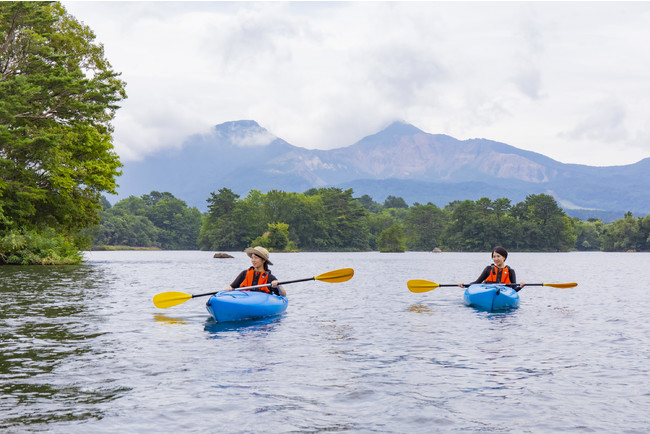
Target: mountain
(400,160)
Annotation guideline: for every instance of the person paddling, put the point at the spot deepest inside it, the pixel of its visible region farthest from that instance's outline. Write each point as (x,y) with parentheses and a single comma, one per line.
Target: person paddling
(498,272)
(258,273)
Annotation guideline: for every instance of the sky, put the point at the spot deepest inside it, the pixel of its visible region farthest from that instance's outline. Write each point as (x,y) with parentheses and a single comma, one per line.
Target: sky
(570,80)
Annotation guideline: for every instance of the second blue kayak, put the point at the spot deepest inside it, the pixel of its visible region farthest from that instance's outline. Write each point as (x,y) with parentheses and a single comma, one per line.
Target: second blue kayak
(227,306)
(491,297)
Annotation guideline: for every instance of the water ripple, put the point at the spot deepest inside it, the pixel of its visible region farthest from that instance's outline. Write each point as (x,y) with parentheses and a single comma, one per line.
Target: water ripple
(84,349)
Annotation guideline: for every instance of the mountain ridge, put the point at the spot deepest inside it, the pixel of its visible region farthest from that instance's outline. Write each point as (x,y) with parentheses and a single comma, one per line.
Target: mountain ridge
(242,155)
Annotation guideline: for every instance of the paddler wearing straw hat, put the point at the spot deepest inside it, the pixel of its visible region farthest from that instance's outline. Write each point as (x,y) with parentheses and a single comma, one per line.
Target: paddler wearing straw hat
(258,273)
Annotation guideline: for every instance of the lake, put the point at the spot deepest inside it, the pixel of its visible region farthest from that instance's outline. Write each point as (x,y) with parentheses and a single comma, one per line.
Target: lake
(85,350)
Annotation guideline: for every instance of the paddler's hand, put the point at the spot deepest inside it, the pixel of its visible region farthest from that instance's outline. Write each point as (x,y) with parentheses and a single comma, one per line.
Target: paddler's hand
(229,288)
(278,289)
(462,285)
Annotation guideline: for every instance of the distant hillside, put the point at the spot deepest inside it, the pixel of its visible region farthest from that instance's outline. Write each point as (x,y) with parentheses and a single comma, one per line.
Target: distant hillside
(400,160)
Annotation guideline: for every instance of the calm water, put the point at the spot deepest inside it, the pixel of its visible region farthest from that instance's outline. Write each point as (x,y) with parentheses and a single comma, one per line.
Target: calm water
(83,348)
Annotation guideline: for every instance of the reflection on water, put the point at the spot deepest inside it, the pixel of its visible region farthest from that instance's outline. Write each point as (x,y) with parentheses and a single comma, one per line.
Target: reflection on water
(164,319)
(420,308)
(259,326)
(45,329)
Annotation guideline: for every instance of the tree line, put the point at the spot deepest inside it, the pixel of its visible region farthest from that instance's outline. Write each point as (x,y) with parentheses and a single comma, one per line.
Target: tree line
(332,219)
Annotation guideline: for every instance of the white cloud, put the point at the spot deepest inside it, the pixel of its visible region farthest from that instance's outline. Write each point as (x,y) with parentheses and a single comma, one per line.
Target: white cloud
(252,138)
(564,79)
(602,122)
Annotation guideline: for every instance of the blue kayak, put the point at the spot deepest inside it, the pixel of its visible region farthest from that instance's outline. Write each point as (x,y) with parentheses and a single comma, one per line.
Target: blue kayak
(491,297)
(239,305)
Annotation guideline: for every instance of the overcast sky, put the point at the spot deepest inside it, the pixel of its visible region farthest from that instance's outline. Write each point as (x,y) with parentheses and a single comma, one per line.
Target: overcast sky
(568,80)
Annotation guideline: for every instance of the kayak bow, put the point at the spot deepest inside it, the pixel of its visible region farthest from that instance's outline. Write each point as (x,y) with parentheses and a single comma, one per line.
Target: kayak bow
(491,297)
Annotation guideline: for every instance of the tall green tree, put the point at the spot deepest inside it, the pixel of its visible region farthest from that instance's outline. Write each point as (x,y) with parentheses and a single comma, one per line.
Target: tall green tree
(423,226)
(369,204)
(544,226)
(275,239)
(58,97)
(302,213)
(644,228)
(346,219)
(132,205)
(231,224)
(464,231)
(217,231)
(392,240)
(588,234)
(624,234)
(178,225)
(377,223)
(395,202)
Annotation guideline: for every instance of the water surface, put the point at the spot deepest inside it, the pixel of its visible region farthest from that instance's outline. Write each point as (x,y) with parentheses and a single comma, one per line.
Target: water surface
(83,348)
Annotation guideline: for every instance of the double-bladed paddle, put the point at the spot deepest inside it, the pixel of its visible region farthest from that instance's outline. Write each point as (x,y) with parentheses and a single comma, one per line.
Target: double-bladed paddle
(172,298)
(421,285)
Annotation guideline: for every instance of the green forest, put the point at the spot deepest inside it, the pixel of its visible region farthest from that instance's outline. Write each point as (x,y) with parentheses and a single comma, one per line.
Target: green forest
(58,98)
(332,219)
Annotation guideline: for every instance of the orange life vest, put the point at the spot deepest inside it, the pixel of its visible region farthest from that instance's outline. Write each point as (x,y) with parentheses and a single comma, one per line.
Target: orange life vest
(498,275)
(248,280)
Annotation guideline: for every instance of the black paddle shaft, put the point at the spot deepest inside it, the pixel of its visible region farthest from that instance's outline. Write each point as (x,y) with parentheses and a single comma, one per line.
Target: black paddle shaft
(257,286)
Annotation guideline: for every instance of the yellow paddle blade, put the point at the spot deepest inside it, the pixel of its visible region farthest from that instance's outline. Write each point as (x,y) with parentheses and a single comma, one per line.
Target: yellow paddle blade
(336,276)
(561,285)
(169,299)
(420,285)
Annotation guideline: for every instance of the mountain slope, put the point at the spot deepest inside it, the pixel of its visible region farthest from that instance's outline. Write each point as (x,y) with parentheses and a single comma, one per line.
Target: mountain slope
(400,160)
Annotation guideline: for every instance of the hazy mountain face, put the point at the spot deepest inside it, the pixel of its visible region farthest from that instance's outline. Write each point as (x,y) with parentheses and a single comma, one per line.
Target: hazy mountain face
(400,160)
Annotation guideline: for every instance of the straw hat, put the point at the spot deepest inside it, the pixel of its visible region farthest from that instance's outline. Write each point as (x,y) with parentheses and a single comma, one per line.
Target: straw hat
(259,251)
